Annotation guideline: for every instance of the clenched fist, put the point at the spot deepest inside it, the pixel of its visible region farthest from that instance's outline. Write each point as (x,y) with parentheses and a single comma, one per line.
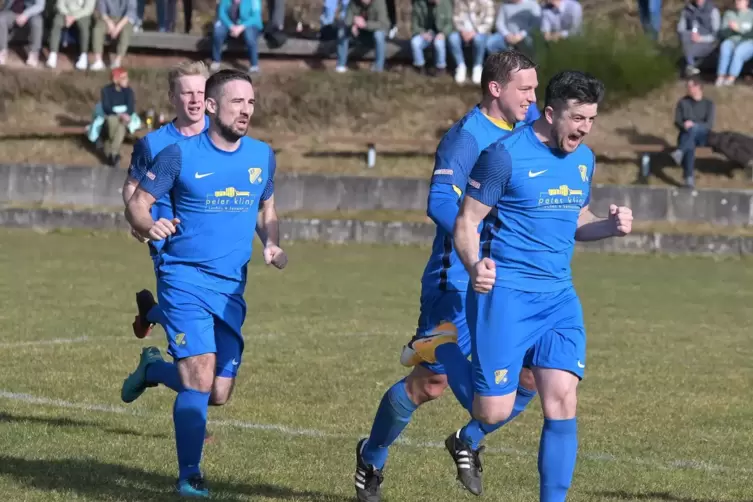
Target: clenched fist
(274,255)
(483,275)
(622,219)
(163,228)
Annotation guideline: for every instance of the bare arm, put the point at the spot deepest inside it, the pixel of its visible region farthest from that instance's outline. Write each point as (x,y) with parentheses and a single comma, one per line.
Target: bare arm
(129,188)
(472,213)
(138,211)
(592,228)
(267,223)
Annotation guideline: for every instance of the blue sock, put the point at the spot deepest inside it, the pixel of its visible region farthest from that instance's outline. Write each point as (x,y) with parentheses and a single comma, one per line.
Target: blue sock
(392,417)
(557,452)
(475,431)
(154,315)
(165,373)
(190,420)
(459,373)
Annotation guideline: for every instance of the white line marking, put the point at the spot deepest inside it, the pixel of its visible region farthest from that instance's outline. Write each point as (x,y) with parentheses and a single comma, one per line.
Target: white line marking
(673,465)
(63,341)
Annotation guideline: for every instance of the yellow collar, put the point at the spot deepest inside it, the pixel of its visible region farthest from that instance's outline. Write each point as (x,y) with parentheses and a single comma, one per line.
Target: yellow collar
(499,123)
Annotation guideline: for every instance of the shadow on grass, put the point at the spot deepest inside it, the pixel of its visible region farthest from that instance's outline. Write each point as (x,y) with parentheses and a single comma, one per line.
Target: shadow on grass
(95,479)
(69,422)
(665,496)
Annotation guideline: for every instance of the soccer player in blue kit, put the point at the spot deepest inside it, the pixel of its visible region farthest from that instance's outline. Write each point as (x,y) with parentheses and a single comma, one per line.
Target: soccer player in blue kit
(531,190)
(508,97)
(217,182)
(186,82)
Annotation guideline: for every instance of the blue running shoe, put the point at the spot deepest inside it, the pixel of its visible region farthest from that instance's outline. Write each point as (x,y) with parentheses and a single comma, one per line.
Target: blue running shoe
(192,487)
(136,383)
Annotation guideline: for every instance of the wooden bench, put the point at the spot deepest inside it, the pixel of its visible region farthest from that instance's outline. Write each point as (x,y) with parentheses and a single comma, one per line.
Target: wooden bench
(648,151)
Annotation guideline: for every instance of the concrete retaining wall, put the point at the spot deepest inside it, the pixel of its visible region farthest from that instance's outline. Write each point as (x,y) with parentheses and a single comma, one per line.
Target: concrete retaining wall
(85,186)
(344,231)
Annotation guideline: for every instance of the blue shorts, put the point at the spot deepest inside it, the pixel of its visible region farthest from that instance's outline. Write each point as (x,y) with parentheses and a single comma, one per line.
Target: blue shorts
(511,329)
(441,306)
(201,321)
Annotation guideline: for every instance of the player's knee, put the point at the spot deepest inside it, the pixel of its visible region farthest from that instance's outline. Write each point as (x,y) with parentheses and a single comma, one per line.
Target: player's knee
(560,405)
(197,372)
(218,398)
(492,411)
(423,386)
(221,391)
(527,379)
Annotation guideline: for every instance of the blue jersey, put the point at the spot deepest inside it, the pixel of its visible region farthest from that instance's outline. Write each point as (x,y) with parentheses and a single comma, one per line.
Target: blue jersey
(536,195)
(455,157)
(144,152)
(216,196)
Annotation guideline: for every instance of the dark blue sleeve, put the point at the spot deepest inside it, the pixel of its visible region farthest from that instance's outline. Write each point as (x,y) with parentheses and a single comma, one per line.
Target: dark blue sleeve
(141,158)
(130,101)
(105,99)
(269,190)
(163,173)
(532,115)
(455,157)
(490,175)
(443,206)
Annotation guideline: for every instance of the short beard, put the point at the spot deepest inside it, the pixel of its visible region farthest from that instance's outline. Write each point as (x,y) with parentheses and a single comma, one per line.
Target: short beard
(228,133)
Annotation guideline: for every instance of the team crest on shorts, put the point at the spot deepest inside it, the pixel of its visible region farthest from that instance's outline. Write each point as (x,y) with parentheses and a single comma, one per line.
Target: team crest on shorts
(254,175)
(500,376)
(583,172)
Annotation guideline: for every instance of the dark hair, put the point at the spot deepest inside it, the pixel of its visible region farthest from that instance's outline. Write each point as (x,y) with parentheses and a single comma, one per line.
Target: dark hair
(217,81)
(500,66)
(581,87)
(695,80)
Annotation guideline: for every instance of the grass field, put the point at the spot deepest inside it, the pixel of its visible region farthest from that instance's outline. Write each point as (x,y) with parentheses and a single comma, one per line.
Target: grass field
(665,409)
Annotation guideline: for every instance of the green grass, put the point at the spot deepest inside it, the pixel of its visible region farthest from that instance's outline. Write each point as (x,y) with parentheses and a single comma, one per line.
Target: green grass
(664,410)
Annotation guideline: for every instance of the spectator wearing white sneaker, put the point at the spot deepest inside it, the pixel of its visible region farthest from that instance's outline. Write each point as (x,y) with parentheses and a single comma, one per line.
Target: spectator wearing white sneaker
(560,19)
(736,48)
(115,18)
(473,21)
(18,14)
(68,13)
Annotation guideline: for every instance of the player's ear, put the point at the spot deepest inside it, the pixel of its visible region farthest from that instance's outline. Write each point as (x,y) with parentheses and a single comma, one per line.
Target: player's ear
(549,114)
(211,106)
(494,88)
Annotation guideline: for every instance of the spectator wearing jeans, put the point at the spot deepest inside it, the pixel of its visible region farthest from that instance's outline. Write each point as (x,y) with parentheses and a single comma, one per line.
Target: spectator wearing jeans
(650,15)
(17,14)
(432,24)
(517,21)
(694,118)
(115,18)
(560,19)
(368,22)
(236,18)
(327,19)
(70,12)
(737,47)
(118,105)
(698,27)
(473,20)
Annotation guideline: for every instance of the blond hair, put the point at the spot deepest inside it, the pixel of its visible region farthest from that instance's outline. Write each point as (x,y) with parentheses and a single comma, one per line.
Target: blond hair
(186,69)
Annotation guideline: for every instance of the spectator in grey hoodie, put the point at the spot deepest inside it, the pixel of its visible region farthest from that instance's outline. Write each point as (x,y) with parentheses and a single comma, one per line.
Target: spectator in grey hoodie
(698,27)
(517,21)
(560,19)
(20,13)
(70,12)
(115,18)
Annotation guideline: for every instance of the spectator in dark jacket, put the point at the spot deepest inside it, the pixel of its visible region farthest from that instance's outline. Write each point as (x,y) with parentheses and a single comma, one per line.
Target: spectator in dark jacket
(431,25)
(368,22)
(21,13)
(698,27)
(118,105)
(694,118)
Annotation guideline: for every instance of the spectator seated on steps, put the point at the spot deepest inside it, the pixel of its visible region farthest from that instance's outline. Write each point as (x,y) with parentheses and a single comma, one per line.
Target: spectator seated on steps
(19,14)
(737,43)
(431,22)
(239,19)
(561,19)
(368,22)
(517,21)
(694,118)
(473,21)
(698,27)
(68,13)
(114,116)
(114,18)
